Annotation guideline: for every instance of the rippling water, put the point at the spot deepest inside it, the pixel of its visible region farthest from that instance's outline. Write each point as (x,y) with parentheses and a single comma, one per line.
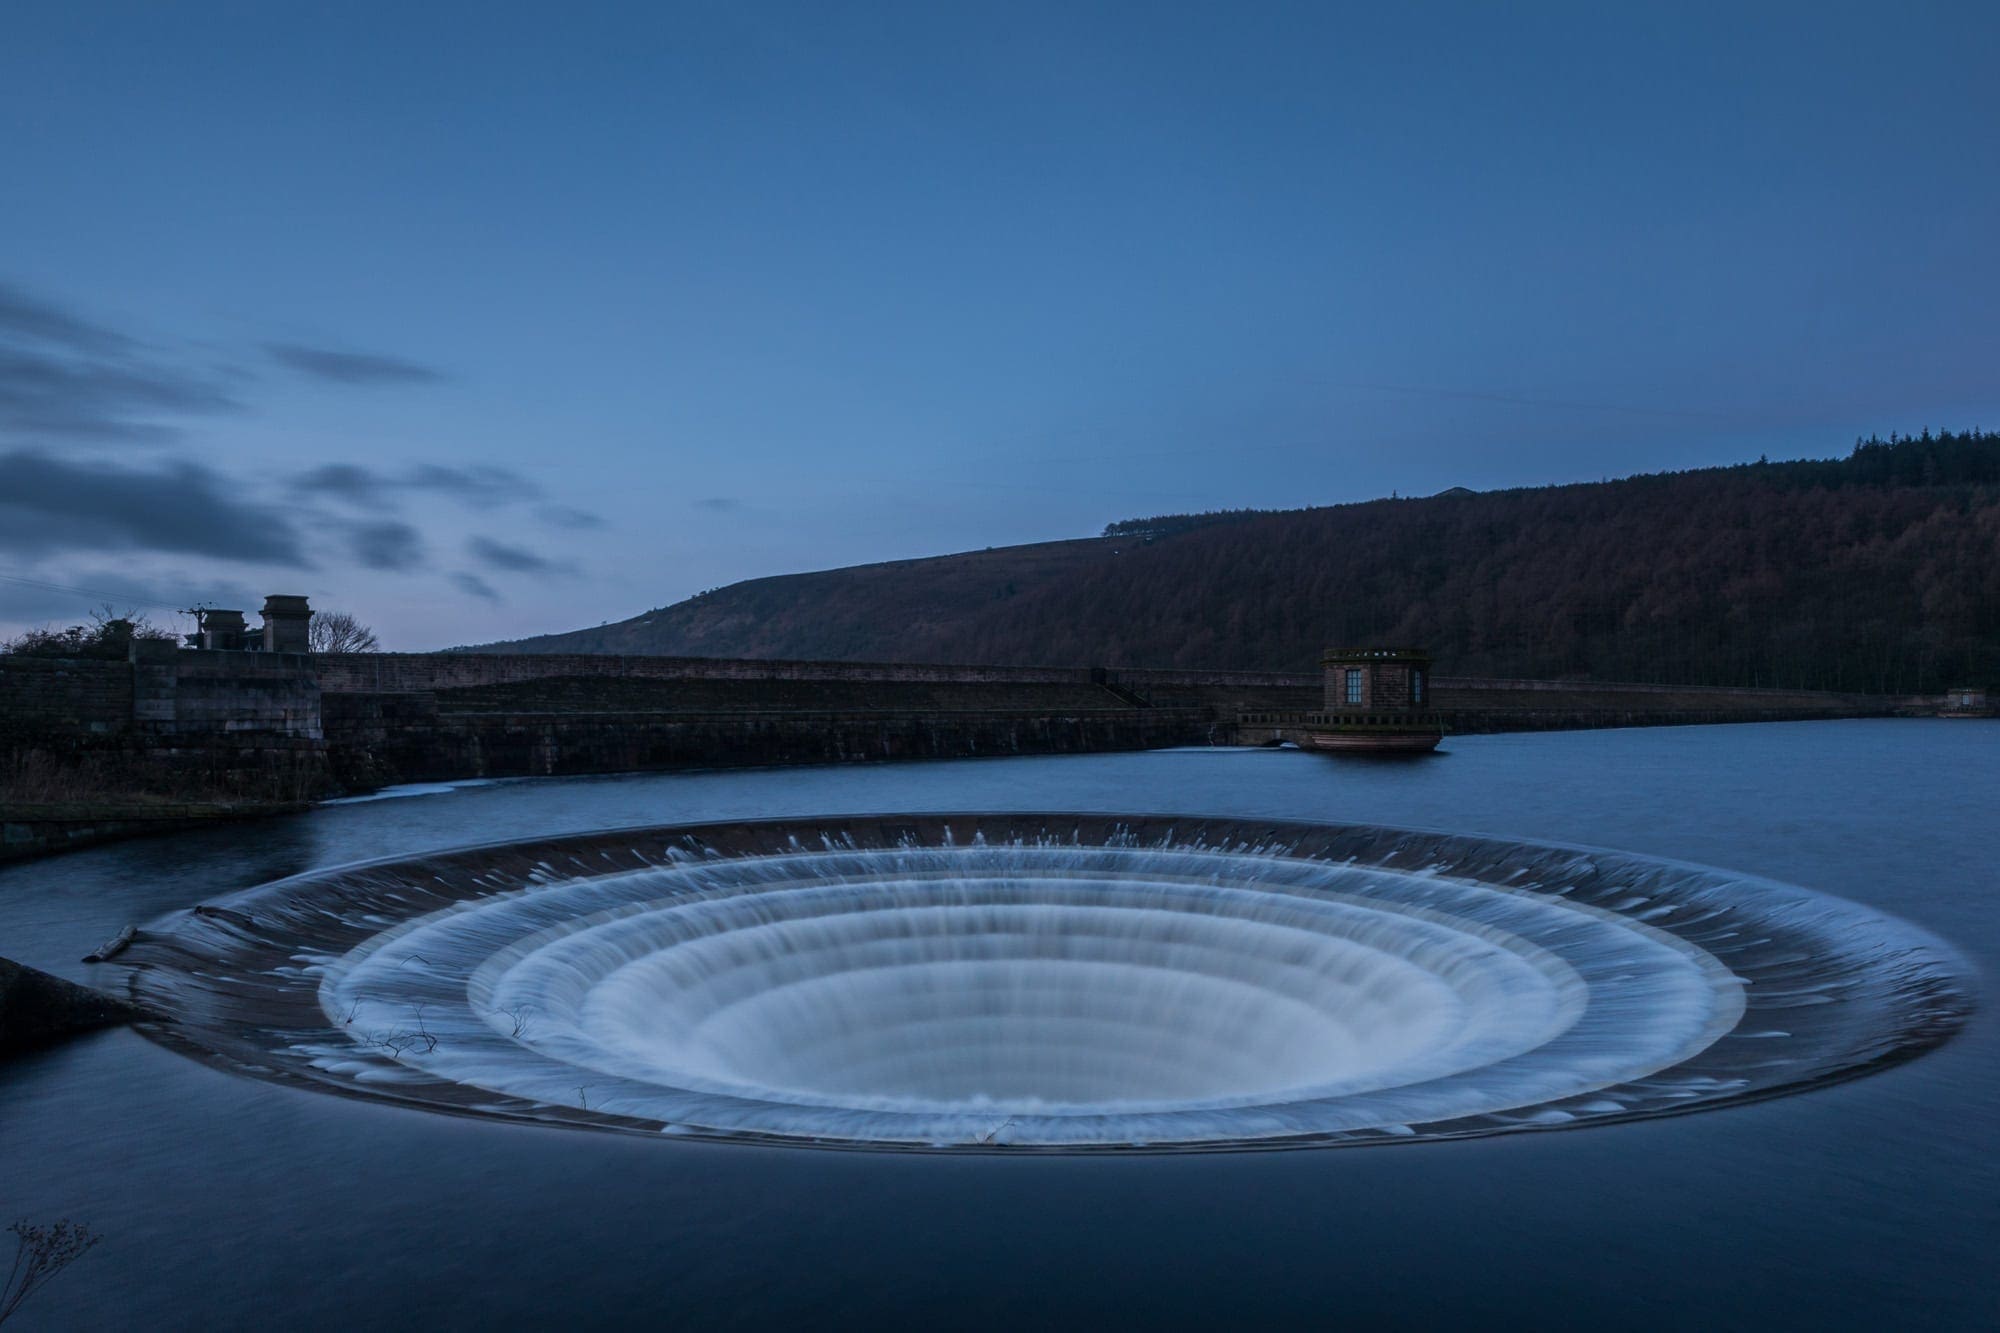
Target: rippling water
(236,1200)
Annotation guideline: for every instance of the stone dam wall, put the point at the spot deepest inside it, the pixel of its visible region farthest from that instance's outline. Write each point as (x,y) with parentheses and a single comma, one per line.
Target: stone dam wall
(179,729)
(1476,705)
(77,699)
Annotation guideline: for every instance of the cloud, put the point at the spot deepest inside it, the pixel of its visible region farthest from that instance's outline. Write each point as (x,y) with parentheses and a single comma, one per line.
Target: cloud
(70,595)
(47,505)
(719,504)
(349,482)
(513,559)
(563,516)
(43,395)
(351,367)
(26,318)
(476,586)
(386,544)
(480,486)
(61,374)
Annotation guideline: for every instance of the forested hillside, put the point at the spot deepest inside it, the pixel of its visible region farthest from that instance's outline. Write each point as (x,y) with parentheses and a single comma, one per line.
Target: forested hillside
(858,614)
(1879,571)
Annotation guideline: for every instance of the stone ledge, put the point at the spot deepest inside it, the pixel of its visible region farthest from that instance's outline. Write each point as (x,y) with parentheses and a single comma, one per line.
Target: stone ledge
(37,1009)
(28,831)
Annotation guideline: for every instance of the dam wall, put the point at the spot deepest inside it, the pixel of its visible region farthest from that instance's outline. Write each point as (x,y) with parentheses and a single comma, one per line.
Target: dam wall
(92,750)
(434,716)
(170,729)
(377,738)
(405,672)
(75,699)
(166,727)
(1475,705)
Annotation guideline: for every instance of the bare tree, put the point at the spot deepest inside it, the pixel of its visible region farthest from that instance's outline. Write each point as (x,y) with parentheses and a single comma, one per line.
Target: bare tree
(339,632)
(40,1254)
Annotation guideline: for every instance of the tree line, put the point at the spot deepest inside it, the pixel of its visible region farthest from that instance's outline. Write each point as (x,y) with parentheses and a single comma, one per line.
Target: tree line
(110,635)
(1876,572)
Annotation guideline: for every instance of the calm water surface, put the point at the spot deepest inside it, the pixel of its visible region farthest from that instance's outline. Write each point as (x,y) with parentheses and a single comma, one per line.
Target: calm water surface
(226,1202)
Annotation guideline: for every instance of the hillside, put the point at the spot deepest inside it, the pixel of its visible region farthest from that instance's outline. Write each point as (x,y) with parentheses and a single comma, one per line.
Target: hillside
(1879,572)
(857,614)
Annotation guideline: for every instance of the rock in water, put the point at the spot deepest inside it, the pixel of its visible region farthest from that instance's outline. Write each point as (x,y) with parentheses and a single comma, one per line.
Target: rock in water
(37,1009)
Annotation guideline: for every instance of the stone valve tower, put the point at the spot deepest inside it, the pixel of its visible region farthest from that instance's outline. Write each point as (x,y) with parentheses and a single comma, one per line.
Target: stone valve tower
(1378,701)
(287,624)
(287,627)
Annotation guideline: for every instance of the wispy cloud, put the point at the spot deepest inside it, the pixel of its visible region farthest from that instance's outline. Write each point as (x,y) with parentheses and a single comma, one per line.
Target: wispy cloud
(512,559)
(29,318)
(49,505)
(348,482)
(478,486)
(475,586)
(70,379)
(386,544)
(66,594)
(564,516)
(64,375)
(719,504)
(362,368)
(482,486)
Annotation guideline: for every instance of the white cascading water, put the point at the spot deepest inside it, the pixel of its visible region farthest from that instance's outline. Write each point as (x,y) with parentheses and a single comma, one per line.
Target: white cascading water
(1033,995)
(1039,993)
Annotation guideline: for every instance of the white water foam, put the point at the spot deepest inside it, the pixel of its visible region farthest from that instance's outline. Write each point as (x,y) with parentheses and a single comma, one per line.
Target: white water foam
(401,790)
(1032,995)
(1047,981)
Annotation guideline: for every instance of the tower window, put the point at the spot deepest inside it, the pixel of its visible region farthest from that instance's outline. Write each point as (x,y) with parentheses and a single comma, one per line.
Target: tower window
(1417,685)
(1354,685)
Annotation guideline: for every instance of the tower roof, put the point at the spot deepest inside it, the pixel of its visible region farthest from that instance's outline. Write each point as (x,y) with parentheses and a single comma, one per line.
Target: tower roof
(1364,656)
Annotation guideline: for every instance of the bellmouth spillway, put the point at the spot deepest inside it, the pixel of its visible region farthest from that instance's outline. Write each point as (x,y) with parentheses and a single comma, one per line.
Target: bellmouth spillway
(1046,981)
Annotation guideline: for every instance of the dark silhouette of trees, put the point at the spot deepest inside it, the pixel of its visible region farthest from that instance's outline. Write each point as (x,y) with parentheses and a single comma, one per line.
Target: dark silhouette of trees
(339,632)
(108,635)
(1877,572)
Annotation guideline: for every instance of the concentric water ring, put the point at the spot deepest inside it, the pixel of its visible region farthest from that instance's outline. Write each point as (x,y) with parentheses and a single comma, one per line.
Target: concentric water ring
(1047,981)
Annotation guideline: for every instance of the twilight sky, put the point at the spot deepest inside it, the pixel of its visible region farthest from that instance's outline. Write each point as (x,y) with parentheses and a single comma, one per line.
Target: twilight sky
(481,320)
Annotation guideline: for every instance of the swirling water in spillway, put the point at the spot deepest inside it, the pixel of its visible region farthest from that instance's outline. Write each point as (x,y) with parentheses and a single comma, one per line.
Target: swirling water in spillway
(1051,982)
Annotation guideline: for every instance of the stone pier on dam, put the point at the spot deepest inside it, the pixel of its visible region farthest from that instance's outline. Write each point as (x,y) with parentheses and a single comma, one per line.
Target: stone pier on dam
(280,726)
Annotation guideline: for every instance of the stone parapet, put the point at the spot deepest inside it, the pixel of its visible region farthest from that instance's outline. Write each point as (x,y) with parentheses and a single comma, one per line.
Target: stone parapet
(405,672)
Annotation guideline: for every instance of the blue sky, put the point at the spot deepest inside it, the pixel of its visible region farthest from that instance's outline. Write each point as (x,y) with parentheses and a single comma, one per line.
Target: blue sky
(482,320)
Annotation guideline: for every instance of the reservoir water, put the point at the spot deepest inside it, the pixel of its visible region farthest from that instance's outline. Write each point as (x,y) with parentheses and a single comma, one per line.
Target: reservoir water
(230,1201)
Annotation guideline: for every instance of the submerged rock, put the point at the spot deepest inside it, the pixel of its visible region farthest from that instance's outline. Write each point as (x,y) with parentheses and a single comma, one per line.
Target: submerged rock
(37,1009)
